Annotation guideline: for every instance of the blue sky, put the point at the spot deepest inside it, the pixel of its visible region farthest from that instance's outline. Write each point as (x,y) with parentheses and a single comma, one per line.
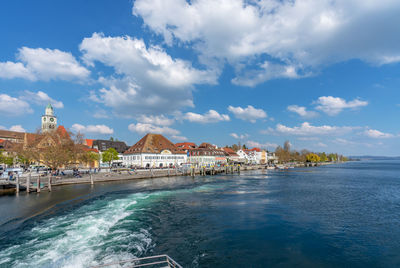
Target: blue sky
(324,75)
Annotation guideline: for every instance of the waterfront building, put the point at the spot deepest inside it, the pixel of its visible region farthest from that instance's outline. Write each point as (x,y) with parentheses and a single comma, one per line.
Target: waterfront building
(12,136)
(207,155)
(49,120)
(186,146)
(243,156)
(232,156)
(154,150)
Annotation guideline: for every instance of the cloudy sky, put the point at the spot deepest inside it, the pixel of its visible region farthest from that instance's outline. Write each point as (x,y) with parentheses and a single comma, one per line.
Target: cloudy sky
(324,74)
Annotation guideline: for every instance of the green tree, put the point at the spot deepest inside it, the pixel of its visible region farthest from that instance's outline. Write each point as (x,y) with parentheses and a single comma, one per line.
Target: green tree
(109,156)
(323,157)
(332,157)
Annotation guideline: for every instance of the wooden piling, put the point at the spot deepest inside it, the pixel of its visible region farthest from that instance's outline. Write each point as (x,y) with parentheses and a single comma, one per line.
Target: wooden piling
(28,182)
(38,184)
(17,184)
(49,183)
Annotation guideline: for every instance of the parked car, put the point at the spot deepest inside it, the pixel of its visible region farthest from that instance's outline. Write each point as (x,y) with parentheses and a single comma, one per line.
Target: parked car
(13,171)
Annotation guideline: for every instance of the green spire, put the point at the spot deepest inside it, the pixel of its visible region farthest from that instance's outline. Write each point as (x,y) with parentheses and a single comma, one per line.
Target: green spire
(49,106)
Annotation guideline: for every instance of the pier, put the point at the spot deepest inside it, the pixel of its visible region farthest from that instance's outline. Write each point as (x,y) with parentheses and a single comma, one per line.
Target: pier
(39,182)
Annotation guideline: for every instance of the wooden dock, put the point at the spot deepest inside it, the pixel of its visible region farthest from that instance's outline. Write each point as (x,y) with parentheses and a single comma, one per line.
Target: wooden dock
(38,182)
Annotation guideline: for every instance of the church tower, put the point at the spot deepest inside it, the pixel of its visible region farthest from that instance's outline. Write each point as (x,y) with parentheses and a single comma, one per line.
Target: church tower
(49,120)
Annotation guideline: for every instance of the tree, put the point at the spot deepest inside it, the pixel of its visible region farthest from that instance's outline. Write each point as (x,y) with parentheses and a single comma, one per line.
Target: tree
(235,147)
(89,158)
(244,146)
(332,157)
(109,156)
(323,157)
(286,146)
(311,157)
(4,159)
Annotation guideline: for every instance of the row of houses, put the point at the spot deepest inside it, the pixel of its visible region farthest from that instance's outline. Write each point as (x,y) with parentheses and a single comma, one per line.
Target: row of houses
(153,150)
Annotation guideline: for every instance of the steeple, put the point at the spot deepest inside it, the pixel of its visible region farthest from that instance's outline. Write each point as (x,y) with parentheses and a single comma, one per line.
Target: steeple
(49,120)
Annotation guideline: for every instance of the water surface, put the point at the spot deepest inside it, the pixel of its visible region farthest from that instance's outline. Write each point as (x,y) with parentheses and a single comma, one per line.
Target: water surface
(331,216)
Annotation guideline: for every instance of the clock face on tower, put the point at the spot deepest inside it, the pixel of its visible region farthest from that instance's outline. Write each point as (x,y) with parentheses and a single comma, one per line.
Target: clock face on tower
(44,119)
(51,119)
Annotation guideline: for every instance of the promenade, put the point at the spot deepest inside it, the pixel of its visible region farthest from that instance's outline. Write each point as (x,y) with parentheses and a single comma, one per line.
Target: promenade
(30,182)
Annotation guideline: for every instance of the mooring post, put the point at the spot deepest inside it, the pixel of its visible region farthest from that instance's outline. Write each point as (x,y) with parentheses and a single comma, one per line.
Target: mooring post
(49,182)
(91,179)
(17,183)
(38,184)
(28,182)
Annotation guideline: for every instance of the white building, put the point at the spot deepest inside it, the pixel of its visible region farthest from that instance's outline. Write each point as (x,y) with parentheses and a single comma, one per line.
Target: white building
(154,151)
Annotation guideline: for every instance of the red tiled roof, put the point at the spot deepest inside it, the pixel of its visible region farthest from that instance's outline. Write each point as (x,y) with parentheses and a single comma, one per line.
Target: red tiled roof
(62,132)
(154,143)
(1,140)
(256,149)
(89,142)
(186,145)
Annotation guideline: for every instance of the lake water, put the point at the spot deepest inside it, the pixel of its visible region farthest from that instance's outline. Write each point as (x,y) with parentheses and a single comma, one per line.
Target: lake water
(330,216)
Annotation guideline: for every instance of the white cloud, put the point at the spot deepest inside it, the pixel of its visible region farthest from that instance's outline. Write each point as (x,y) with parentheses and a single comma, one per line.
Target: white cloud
(159,120)
(13,106)
(10,70)
(239,137)
(211,116)
(248,114)
(100,113)
(307,34)
(267,71)
(179,138)
(306,129)
(41,98)
(44,64)
(321,144)
(92,129)
(302,111)
(143,128)
(260,145)
(373,133)
(147,80)
(17,128)
(333,106)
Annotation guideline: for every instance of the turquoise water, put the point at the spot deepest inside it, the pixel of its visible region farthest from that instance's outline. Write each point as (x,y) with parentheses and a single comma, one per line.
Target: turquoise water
(331,216)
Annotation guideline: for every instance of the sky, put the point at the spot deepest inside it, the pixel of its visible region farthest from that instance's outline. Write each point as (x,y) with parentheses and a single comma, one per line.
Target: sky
(323,74)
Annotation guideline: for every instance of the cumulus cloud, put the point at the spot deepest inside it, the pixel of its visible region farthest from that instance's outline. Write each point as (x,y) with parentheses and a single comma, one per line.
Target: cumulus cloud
(376,134)
(17,128)
(178,138)
(211,116)
(239,137)
(143,128)
(41,98)
(261,145)
(159,120)
(321,144)
(333,106)
(92,129)
(305,34)
(147,80)
(248,114)
(302,111)
(13,106)
(306,129)
(44,64)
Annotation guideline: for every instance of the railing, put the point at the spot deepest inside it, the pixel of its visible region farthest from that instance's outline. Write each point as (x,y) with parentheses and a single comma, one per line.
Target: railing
(154,261)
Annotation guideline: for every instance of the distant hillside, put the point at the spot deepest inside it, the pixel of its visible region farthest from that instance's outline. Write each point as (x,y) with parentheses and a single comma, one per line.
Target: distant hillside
(374,157)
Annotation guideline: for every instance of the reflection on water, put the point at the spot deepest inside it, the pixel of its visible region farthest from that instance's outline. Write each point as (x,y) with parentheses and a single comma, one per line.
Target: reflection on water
(341,215)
